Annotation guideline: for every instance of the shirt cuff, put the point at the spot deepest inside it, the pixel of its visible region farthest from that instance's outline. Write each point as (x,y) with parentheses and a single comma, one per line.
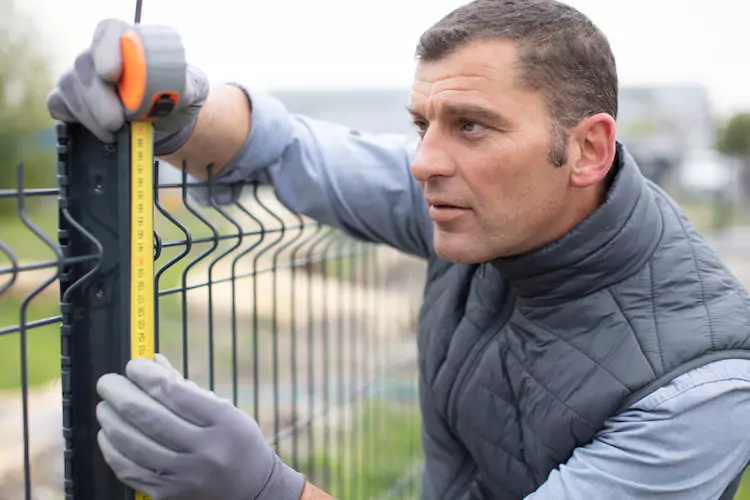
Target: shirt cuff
(271,132)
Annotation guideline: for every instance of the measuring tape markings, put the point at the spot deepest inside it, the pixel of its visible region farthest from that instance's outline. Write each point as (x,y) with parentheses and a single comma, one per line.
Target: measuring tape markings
(152,81)
(142,231)
(141,252)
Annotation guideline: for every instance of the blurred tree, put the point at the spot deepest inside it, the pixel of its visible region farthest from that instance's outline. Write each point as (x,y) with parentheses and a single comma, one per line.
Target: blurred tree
(25,82)
(734,138)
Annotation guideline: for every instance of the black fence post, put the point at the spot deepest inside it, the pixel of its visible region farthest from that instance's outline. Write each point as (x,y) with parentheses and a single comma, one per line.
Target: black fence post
(94,219)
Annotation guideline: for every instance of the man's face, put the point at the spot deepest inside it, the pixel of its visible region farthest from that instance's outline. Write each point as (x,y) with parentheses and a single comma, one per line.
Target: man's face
(483,161)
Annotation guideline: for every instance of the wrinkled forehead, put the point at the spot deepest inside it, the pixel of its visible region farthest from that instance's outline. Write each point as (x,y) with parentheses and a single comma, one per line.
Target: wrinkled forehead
(491,58)
(482,72)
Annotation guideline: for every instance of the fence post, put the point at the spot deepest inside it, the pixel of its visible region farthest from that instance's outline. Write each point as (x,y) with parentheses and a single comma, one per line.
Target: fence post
(93,219)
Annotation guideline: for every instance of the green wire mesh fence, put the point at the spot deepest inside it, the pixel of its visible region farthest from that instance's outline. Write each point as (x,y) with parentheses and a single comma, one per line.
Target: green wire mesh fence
(309,331)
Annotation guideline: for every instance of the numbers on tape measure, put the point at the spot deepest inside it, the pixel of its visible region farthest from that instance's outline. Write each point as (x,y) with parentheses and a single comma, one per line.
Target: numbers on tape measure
(142,230)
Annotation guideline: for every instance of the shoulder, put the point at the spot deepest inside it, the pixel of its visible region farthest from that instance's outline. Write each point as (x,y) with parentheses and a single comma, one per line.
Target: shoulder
(721,382)
(691,409)
(688,439)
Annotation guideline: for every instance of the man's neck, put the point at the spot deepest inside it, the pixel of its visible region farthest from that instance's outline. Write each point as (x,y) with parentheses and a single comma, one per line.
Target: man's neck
(585,202)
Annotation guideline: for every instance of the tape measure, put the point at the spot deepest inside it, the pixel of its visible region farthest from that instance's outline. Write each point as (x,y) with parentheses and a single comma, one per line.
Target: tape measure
(142,293)
(153,79)
(153,72)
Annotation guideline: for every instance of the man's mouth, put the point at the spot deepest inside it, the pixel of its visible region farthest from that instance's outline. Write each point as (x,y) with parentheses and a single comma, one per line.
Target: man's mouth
(441,212)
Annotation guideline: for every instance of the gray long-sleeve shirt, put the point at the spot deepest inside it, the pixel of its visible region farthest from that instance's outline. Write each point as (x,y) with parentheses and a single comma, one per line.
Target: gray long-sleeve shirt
(688,439)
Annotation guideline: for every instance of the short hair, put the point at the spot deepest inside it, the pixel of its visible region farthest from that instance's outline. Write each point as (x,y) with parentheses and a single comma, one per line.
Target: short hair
(562,54)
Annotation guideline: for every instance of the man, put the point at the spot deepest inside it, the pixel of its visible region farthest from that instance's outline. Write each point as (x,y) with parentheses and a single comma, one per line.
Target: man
(578,339)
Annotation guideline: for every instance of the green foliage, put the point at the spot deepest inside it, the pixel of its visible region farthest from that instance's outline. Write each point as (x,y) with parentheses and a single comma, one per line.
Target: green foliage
(24,84)
(734,138)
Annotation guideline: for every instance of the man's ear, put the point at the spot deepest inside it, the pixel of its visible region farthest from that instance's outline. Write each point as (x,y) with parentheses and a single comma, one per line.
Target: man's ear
(595,141)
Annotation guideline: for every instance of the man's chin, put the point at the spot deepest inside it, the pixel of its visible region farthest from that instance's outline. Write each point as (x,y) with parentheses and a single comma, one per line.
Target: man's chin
(456,251)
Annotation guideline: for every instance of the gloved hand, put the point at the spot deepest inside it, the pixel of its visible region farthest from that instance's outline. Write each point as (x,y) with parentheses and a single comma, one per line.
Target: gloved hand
(164,436)
(86,94)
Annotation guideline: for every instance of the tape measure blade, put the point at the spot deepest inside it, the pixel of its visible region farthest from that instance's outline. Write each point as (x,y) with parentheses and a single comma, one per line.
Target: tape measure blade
(142,293)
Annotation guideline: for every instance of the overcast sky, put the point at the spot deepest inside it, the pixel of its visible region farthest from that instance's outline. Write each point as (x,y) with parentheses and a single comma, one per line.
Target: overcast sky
(352,43)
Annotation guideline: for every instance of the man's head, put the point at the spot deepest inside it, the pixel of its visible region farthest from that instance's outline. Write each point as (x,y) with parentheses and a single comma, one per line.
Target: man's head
(515,101)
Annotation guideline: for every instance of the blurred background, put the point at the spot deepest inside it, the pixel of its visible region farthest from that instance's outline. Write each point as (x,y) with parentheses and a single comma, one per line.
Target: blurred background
(684,98)
(684,105)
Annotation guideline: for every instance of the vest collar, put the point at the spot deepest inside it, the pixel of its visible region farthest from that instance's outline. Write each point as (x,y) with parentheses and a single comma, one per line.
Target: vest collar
(608,246)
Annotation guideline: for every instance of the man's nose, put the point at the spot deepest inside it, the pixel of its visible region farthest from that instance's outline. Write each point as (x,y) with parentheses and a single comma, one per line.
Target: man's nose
(432,159)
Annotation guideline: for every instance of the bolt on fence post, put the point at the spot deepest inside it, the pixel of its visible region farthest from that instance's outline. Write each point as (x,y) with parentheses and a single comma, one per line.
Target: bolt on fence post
(94,219)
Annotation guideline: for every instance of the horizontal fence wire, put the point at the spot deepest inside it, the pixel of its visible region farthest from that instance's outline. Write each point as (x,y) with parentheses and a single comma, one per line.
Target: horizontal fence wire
(308,330)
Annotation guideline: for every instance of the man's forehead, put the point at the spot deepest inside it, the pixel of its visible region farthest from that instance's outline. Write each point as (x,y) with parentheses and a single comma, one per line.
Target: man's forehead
(483,66)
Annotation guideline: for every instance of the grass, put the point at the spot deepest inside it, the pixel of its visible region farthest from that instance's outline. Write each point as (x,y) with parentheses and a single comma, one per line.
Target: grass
(743,493)
(22,241)
(42,344)
(384,448)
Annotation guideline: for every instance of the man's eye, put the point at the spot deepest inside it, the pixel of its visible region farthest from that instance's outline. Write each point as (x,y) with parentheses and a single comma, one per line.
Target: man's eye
(421,126)
(472,127)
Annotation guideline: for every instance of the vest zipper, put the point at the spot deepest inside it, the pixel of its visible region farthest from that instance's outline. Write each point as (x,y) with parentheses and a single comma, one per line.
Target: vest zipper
(469,366)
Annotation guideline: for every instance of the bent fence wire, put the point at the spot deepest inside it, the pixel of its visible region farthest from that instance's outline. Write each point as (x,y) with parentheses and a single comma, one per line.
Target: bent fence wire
(309,331)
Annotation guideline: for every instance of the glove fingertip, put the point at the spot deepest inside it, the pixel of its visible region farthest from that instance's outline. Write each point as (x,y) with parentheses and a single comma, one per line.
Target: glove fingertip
(114,120)
(147,373)
(105,447)
(106,385)
(105,49)
(162,360)
(105,137)
(136,365)
(103,381)
(110,454)
(102,412)
(57,108)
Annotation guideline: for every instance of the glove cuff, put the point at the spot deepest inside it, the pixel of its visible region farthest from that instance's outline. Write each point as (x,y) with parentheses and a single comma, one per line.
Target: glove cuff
(173,142)
(284,483)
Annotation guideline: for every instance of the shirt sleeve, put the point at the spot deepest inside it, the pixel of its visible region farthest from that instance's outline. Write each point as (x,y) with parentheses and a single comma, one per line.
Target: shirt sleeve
(689,439)
(355,181)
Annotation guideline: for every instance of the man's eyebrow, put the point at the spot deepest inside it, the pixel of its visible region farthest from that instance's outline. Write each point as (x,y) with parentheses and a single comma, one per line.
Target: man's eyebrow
(413,112)
(470,111)
(477,111)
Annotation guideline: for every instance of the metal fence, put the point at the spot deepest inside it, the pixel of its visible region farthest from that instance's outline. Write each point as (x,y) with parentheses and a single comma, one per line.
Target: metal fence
(309,331)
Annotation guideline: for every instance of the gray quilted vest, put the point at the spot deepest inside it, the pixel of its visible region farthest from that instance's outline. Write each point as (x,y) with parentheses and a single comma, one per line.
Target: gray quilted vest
(522,360)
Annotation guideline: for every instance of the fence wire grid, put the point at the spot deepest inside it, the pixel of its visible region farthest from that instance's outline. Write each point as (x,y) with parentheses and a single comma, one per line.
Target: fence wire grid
(309,331)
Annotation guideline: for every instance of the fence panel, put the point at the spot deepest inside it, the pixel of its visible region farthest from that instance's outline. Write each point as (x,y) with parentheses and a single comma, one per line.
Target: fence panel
(309,331)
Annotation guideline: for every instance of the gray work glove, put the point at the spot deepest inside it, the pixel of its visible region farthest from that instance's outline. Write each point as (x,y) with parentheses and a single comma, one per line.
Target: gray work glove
(164,436)
(86,94)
